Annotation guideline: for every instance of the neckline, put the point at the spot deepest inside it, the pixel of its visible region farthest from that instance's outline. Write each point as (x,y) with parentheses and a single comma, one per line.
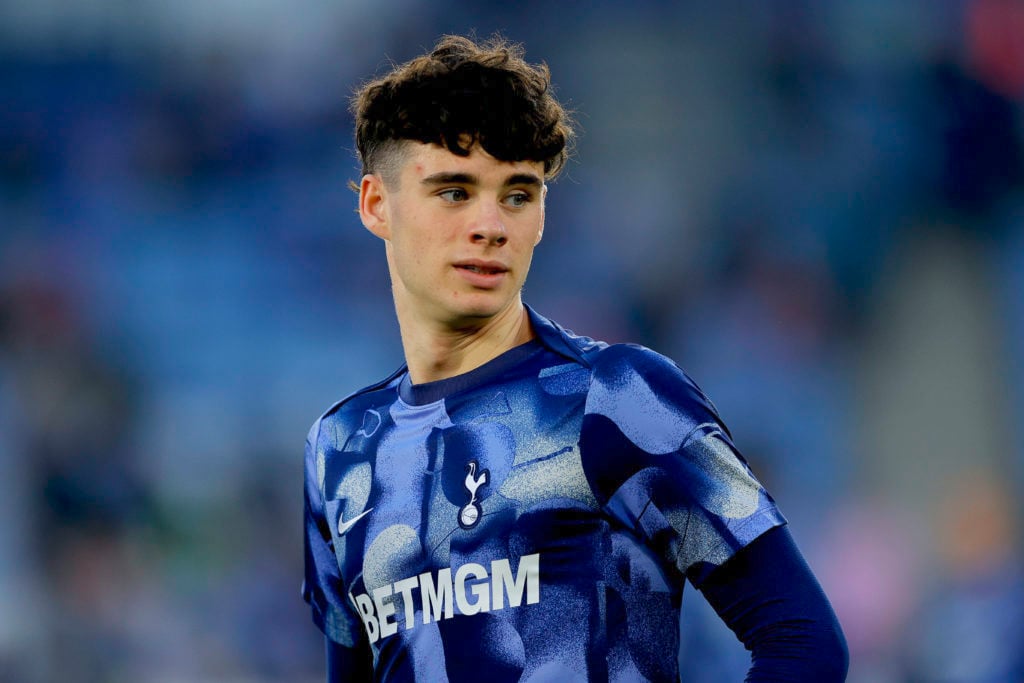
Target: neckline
(430,392)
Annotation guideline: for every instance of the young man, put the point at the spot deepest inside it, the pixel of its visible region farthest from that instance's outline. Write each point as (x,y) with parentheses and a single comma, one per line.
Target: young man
(518,503)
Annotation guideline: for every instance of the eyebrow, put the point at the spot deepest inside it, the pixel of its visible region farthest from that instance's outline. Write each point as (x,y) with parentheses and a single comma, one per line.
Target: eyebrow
(445,178)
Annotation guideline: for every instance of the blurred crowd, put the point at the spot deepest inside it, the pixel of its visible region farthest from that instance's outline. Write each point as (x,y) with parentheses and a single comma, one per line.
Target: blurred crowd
(816,208)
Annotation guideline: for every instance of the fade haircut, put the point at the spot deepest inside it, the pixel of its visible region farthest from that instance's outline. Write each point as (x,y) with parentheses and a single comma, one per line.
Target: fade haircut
(459,94)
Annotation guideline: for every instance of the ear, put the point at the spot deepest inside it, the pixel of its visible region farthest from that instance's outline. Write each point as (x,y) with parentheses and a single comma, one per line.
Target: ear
(373,206)
(543,213)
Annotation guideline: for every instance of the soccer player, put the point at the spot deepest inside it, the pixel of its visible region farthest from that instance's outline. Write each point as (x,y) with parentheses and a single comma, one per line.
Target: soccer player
(518,503)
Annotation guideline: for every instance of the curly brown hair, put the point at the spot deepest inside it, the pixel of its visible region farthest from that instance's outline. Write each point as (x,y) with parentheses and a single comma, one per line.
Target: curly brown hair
(459,94)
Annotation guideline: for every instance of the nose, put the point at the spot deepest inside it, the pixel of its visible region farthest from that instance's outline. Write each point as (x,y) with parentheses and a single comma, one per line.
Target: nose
(489,228)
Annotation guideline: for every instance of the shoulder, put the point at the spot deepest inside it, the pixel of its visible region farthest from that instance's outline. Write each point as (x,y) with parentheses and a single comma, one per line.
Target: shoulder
(347,416)
(625,369)
(602,358)
(648,397)
(332,443)
(626,377)
(635,358)
(574,347)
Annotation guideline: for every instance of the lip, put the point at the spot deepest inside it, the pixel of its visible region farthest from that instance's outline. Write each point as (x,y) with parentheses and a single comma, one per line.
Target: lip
(480,273)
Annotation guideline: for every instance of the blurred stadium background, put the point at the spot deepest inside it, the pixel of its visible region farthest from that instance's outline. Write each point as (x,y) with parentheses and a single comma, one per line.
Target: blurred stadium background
(815,206)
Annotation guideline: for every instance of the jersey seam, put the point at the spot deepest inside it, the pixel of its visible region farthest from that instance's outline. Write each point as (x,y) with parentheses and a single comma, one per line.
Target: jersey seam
(365,390)
(766,514)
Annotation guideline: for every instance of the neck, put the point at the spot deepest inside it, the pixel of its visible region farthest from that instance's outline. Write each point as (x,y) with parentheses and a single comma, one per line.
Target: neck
(436,350)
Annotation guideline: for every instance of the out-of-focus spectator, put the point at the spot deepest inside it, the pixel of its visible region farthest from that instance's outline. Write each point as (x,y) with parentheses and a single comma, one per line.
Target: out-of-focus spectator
(871,555)
(970,628)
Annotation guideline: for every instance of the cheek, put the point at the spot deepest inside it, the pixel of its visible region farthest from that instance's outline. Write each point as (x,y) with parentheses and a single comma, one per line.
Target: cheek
(411,256)
(417,249)
(532,233)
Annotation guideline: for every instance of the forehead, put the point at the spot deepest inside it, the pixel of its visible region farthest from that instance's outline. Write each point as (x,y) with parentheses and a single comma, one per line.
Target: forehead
(423,159)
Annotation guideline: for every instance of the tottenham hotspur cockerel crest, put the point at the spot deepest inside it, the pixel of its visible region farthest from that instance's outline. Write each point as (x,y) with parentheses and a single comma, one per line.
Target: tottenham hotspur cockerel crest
(469,514)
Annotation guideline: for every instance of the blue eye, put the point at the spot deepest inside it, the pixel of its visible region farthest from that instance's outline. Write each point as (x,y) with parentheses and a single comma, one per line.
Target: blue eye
(518,199)
(455,194)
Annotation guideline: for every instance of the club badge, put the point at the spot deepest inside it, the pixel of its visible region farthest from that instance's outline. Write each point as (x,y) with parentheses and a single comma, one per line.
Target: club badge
(469,514)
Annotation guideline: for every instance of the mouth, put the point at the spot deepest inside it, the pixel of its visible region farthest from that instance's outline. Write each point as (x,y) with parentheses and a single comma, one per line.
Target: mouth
(482,268)
(482,275)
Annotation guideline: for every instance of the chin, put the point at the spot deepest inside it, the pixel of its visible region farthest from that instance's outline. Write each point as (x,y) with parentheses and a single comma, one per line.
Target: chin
(472,314)
(477,311)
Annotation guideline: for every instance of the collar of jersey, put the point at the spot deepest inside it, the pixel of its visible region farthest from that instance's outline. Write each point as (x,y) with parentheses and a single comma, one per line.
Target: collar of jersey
(430,392)
(562,341)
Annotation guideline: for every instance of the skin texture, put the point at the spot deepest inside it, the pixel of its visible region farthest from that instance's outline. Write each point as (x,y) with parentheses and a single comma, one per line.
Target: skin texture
(439,214)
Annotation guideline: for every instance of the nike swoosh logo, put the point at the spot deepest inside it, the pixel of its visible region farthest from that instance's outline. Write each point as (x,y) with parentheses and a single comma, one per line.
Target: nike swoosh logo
(344,526)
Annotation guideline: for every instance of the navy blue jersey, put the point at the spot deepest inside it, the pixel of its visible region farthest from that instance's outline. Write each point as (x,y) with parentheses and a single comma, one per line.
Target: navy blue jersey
(534,519)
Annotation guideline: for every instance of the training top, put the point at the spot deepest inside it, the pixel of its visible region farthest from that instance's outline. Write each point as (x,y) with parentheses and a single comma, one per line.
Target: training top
(531,520)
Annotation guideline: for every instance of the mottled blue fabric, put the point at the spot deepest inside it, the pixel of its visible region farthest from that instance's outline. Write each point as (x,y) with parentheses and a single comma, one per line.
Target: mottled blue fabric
(532,520)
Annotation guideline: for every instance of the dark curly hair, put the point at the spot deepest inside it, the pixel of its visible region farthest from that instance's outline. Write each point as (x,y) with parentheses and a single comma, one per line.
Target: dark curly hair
(459,94)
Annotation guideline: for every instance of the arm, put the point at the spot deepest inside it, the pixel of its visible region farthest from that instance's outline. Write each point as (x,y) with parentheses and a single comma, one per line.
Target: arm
(771,600)
(347,650)
(348,664)
(664,465)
